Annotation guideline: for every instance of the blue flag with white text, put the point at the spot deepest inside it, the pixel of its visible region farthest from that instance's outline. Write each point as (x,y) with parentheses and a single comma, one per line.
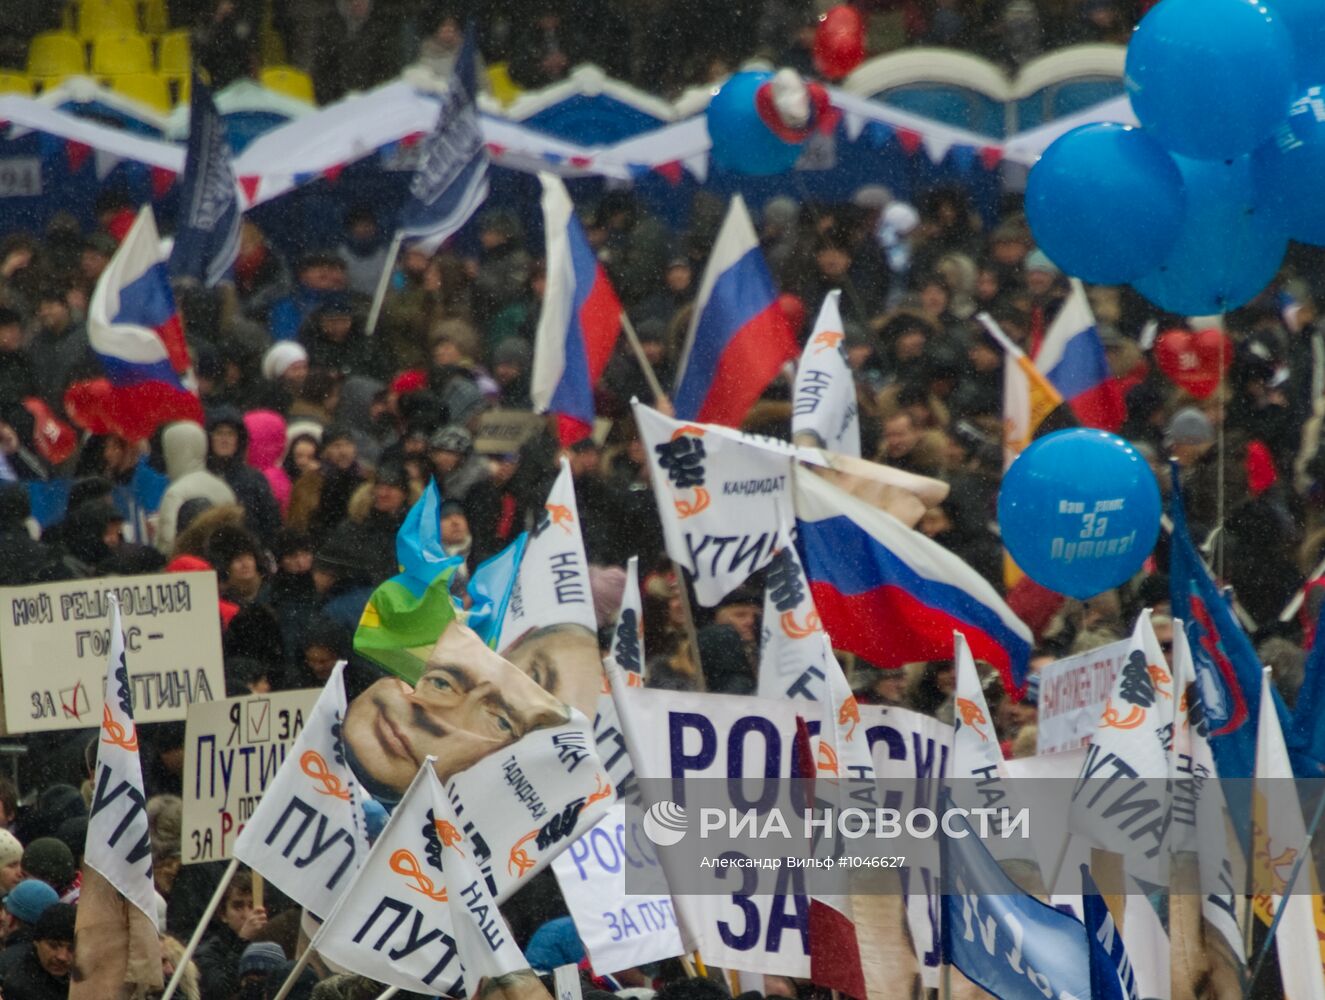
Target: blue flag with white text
(1004,939)
(207,232)
(451,180)
(1108,958)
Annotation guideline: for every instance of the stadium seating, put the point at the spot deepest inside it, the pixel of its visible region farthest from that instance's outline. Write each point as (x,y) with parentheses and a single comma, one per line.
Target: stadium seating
(100,17)
(174,54)
(289,81)
(146,88)
(156,19)
(15,83)
(121,52)
(56,54)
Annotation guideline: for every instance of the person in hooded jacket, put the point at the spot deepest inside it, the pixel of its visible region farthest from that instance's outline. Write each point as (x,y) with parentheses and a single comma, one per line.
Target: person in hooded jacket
(335,341)
(184,445)
(266,448)
(227,435)
(364,409)
(23,559)
(90,537)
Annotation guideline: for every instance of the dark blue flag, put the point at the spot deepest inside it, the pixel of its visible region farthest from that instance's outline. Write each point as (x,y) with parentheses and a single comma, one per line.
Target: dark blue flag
(1109,965)
(207,232)
(1228,672)
(451,180)
(1305,735)
(1004,939)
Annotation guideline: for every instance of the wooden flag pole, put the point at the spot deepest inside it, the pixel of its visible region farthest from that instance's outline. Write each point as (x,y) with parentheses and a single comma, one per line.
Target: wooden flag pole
(258,886)
(203,923)
(383,283)
(649,375)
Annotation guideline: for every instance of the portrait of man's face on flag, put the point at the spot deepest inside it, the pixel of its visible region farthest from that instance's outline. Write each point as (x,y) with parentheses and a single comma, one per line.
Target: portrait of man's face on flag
(468,702)
(565,661)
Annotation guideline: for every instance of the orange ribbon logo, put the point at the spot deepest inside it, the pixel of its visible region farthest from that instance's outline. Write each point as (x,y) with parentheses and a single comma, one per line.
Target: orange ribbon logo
(1159,677)
(689,508)
(407,865)
(603,790)
(314,765)
(561,516)
(1111,720)
(972,716)
(520,862)
(793,630)
(448,835)
(827,340)
(633,680)
(849,713)
(113,733)
(827,758)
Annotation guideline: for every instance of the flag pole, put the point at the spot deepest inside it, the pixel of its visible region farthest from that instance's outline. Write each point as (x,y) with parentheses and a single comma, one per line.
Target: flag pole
(388,993)
(649,375)
(383,282)
(198,931)
(298,969)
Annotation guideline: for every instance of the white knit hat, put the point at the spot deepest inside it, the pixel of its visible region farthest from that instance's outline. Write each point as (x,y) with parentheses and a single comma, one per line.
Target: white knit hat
(279,357)
(10,849)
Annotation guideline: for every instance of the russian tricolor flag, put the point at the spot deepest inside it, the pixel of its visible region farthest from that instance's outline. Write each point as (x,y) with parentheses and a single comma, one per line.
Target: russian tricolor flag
(891,595)
(135,331)
(580,321)
(1072,359)
(738,338)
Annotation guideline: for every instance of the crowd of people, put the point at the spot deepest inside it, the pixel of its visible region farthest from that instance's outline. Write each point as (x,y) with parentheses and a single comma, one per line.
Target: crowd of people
(319,437)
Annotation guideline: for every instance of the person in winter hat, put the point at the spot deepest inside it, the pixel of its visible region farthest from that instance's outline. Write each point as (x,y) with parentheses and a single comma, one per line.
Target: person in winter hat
(185,447)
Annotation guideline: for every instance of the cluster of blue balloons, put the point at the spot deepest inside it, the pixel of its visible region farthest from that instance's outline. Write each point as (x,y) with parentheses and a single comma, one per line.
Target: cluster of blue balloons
(1079,511)
(1195,208)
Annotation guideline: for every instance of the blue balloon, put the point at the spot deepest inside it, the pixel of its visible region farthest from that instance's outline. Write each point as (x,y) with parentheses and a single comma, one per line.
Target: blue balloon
(1230,245)
(1105,202)
(741,141)
(1079,511)
(1306,24)
(1288,168)
(1210,78)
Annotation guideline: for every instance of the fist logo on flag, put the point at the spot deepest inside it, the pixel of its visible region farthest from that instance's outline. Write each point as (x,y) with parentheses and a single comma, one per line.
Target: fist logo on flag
(683,458)
(786,589)
(969,714)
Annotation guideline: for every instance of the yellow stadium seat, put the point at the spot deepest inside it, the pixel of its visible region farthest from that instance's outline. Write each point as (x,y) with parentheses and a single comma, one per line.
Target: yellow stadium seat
(15,83)
(56,53)
(121,52)
(500,82)
(156,19)
(289,81)
(99,17)
(146,88)
(174,54)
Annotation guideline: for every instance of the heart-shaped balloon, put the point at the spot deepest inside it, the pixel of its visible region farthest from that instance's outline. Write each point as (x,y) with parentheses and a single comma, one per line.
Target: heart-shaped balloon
(1194,361)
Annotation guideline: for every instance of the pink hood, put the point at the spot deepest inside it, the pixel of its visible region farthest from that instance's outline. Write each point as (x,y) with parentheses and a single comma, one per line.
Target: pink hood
(266,437)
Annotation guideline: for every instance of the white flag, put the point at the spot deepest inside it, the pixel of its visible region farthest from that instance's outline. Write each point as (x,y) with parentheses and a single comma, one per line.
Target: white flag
(118,843)
(1121,803)
(307,835)
(627,648)
(824,413)
(722,497)
(419,915)
(1199,809)
(1279,842)
(552,587)
(796,661)
(662,729)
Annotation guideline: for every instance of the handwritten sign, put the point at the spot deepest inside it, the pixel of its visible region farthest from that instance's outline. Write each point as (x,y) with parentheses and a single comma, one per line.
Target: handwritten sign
(1072,696)
(54,639)
(232,750)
